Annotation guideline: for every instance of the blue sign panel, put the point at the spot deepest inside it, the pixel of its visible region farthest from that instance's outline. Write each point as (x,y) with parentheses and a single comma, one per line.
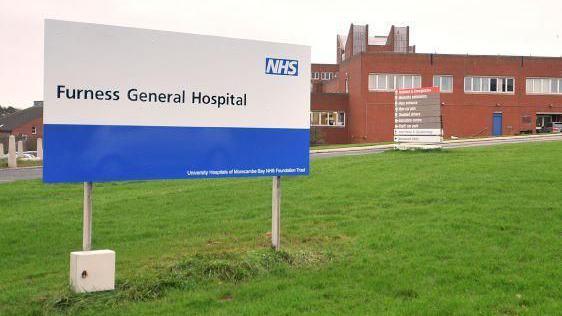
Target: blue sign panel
(131,104)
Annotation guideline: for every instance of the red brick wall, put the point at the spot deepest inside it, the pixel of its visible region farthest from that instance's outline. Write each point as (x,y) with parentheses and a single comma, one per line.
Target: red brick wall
(25,129)
(324,67)
(380,48)
(356,118)
(324,85)
(370,115)
(331,86)
(330,102)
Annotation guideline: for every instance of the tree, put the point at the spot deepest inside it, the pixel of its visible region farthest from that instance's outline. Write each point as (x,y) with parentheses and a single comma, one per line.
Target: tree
(4,111)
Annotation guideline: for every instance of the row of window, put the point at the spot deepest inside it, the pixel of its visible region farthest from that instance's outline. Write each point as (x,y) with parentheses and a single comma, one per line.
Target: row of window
(316,75)
(327,118)
(445,83)
(544,85)
(489,84)
(472,84)
(390,82)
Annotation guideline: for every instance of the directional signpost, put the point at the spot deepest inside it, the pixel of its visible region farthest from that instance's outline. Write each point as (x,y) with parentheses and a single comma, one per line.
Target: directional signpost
(132,104)
(417,118)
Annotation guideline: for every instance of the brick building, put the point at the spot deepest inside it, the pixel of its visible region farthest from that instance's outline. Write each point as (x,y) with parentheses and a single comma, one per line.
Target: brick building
(25,125)
(352,101)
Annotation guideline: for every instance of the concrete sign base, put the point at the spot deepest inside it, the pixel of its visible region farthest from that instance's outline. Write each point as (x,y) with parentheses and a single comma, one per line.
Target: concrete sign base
(92,271)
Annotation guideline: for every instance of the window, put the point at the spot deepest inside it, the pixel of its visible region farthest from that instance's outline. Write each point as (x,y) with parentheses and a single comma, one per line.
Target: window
(486,84)
(444,82)
(509,84)
(489,84)
(544,85)
(341,118)
(389,82)
(314,118)
(33,130)
(476,84)
(336,119)
(326,76)
(493,84)
(316,75)
(467,84)
(416,80)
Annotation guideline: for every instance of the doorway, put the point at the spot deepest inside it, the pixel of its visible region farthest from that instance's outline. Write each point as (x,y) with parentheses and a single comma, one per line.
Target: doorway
(497,124)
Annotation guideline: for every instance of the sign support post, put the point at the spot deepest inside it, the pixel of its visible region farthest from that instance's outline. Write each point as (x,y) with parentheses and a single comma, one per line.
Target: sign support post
(91,270)
(276,213)
(87,228)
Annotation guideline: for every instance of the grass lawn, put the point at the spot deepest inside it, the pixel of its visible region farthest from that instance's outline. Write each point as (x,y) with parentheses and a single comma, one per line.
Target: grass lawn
(464,231)
(21,163)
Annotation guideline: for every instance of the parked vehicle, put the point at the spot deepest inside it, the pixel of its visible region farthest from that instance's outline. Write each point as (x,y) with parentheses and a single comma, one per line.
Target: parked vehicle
(557,127)
(546,128)
(25,156)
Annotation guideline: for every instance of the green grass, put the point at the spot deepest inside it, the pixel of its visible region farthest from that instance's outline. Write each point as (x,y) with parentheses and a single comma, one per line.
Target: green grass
(21,163)
(464,231)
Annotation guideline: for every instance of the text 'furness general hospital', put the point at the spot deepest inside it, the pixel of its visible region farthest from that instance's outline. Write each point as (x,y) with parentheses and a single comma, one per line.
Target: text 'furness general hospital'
(352,101)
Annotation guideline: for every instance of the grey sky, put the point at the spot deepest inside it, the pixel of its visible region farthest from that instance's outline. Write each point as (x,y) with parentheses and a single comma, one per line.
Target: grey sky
(475,27)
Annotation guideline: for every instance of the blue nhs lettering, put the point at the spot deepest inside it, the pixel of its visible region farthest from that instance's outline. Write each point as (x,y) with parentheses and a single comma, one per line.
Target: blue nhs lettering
(276,66)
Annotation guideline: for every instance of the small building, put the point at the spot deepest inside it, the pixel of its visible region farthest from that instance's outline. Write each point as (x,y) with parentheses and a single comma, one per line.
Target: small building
(24,123)
(352,101)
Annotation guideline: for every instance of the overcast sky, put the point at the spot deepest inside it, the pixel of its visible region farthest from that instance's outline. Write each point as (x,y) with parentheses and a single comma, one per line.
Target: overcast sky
(477,27)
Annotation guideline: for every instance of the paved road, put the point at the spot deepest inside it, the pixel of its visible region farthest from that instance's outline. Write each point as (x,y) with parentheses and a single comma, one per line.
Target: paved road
(447,144)
(9,175)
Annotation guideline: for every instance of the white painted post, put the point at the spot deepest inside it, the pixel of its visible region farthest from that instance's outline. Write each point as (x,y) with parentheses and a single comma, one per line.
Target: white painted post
(91,270)
(40,148)
(1,149)
(12,159)
(276,214)
(87,228)
(20,148)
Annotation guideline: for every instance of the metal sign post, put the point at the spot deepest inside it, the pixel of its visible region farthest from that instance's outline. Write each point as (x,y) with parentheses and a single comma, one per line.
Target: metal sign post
(87,226)
(276,213)
(91,270)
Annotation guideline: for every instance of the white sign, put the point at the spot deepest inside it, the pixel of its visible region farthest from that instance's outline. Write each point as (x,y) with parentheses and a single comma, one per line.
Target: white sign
(417,116)
(124,103)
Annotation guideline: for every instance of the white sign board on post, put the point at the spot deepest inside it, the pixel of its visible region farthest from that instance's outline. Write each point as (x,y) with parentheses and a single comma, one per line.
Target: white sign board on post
(133,104)
(129,104)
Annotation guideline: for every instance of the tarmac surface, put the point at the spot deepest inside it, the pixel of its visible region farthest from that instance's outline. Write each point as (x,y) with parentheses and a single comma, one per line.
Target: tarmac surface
(28,173)
(490,141)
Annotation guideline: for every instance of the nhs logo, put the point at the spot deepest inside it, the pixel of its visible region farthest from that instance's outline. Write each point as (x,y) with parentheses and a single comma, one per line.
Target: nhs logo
(286,67)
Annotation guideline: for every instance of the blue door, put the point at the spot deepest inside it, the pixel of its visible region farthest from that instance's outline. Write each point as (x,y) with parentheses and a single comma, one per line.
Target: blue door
(497,128)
